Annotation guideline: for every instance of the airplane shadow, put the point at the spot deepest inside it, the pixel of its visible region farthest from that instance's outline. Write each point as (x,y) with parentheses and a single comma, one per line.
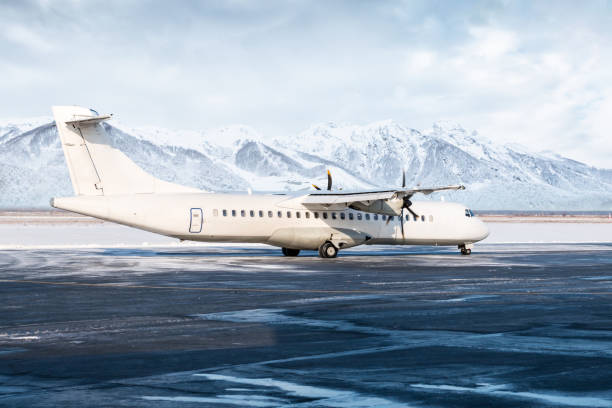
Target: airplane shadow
(272,252)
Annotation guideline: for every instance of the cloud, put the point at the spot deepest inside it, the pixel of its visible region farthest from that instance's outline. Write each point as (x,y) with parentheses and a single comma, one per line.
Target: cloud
(23,36)
(516,71)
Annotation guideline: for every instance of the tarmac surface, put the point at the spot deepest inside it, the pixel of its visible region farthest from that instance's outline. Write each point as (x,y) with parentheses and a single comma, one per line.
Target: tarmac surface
(511,325)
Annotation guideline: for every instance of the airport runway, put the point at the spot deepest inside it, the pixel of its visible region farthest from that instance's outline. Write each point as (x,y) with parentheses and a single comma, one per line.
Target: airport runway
(512,325)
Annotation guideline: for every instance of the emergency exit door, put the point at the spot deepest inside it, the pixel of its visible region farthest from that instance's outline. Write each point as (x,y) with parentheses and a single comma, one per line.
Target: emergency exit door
(195,220)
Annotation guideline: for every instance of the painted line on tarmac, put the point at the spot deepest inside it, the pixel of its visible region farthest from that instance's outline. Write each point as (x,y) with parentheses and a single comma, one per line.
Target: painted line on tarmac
(272,290)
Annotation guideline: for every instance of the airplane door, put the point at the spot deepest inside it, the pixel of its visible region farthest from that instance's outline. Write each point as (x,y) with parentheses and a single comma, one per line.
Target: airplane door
(195,220)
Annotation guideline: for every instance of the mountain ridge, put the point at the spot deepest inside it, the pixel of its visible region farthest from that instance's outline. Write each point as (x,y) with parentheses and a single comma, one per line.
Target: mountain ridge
(236,158)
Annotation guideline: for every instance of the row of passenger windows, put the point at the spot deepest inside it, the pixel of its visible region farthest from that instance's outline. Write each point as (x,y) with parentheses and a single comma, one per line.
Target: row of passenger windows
(307,214)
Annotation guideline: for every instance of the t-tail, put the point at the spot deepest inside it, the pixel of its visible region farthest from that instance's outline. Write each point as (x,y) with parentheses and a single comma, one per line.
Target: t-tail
(96,167)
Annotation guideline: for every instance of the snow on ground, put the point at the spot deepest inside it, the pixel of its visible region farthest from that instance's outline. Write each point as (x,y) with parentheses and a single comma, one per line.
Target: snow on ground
(74,235)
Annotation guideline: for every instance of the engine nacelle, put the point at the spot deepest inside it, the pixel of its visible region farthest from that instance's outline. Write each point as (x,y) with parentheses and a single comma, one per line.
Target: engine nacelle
(390,207)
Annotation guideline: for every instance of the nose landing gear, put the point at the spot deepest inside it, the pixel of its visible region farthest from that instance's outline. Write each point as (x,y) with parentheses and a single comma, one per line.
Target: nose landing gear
(466,249)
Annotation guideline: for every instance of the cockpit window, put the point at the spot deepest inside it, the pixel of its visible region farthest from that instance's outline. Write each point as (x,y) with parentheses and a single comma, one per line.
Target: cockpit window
(469,213)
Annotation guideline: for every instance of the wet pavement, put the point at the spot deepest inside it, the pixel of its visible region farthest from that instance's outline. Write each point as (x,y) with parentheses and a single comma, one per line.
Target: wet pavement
(511,325)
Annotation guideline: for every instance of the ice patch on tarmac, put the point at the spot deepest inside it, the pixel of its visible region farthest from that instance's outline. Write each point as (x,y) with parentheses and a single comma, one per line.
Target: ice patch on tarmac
(499,390)
(276,316)
(333,299)
(521,342)
(326,397)
(467,298)
(237,400)
(6,336)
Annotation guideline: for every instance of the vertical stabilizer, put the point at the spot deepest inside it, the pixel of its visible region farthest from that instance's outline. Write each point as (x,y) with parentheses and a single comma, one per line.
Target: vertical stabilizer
(96,167)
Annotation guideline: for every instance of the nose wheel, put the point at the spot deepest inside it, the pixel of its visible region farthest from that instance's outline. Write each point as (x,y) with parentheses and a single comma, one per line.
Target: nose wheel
(328,250)
(465,249)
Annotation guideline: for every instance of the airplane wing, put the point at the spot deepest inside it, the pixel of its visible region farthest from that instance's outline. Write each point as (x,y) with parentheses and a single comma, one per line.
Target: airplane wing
(388,202)
(338,197)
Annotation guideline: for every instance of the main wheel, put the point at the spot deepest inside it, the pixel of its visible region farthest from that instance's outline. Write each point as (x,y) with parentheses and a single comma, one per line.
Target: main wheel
(290,252)
(328,250)
(466,251)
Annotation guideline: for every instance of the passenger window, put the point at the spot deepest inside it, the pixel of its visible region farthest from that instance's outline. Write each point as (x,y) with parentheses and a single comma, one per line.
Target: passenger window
(307,214)
(384,217)
(324,215)
(359,216)
(270,213)
(233,213)
(288,214)
(351,216)
(280,214)
(375,217)
(225,213)
(260,213)
(316,215)
(415,217)
(407,217)
(252,213)
(423,218)
(216,212)
(367,217)
(333,216)
(391,218)
(342,216)
(297,214)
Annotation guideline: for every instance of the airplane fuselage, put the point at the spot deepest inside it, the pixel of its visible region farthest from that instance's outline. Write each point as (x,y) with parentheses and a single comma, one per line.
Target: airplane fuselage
(279,220)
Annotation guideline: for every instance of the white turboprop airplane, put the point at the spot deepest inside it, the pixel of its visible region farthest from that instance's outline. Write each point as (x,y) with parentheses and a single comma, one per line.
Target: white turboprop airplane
(110,186)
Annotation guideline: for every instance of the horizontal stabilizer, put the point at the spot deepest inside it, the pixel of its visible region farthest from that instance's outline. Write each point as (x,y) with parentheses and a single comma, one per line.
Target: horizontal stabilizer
(88,120)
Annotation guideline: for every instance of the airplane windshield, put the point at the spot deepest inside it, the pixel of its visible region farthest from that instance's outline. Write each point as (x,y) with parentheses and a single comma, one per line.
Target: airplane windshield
(469,213)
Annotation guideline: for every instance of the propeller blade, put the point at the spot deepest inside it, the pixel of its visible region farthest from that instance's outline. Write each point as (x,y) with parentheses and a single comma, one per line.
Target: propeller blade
(407,204)
(412,212)
(402,223)
(388,220)
(403,179)
(329,180)
(316,187)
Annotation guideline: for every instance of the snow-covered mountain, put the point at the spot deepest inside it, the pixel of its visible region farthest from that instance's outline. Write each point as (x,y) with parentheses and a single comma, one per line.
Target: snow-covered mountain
(235,158)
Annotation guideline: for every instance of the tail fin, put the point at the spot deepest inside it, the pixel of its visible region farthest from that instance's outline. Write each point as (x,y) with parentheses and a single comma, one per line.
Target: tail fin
(95,166)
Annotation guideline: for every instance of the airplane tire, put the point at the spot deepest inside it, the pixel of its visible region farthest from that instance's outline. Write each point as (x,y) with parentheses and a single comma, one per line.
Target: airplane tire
(466,251)
(328,250)
(290,252)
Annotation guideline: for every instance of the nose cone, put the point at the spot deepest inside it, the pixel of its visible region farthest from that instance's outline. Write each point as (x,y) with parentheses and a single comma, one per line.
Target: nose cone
(482,231)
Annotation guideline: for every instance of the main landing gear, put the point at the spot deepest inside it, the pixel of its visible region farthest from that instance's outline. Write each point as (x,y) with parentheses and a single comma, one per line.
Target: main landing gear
(290,252)
(328,250)
(466,249)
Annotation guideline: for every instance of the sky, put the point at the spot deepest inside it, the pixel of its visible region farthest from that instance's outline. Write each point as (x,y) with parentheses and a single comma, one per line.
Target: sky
(537,73)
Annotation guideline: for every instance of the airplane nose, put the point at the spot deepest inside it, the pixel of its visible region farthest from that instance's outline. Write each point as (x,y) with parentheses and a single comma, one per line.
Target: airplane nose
(484,231)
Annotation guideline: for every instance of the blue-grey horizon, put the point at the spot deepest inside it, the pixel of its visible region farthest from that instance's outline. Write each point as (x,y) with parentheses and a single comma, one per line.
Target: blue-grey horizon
(530,72)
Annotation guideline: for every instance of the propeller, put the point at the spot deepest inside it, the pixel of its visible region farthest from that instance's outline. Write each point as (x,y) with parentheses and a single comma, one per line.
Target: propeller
(329,182)
(406,204)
